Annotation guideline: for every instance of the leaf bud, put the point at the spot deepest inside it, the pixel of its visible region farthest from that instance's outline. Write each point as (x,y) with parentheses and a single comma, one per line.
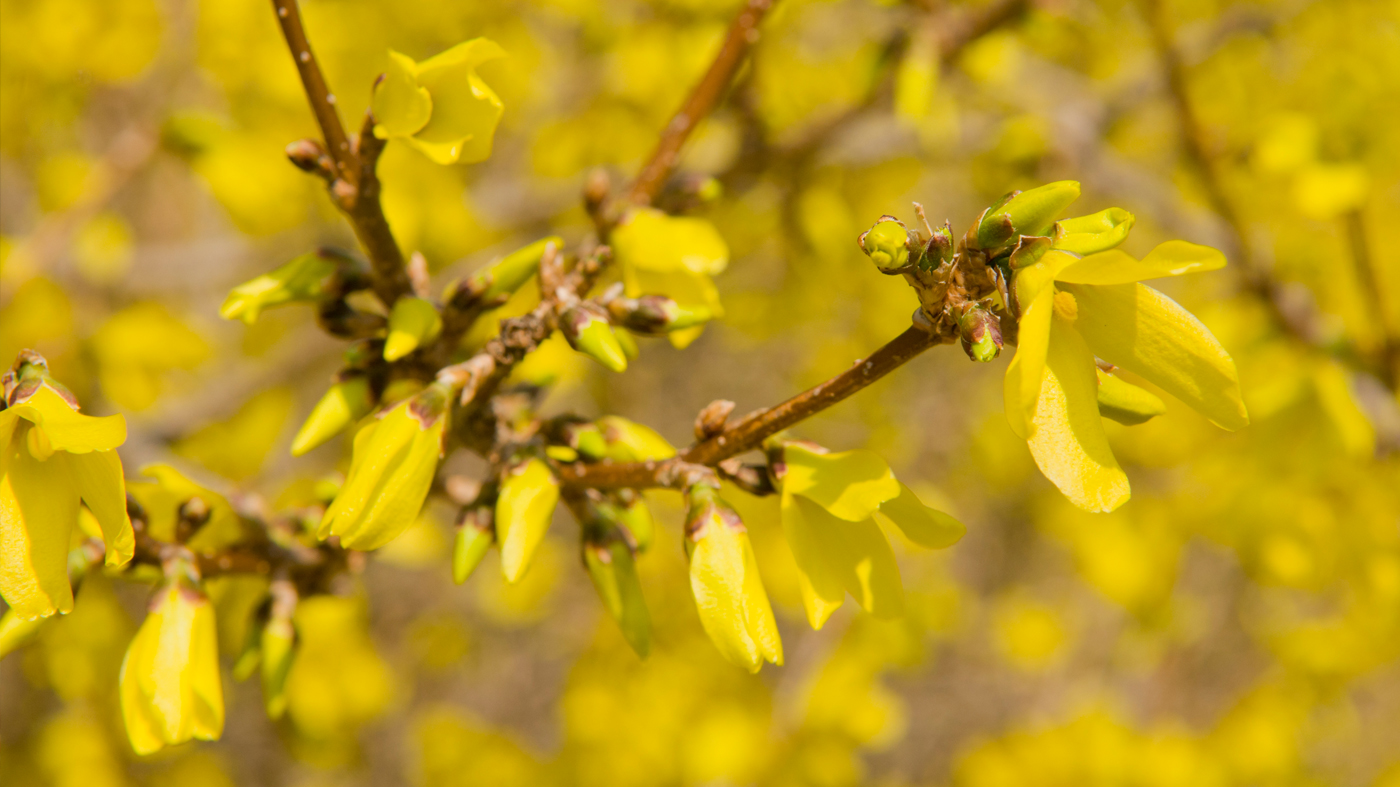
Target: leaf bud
(656,314)
(278,643)
(588,331)
(346,402)
(511,271)
(629,441)
(711,420)
(629,513)
(305,278)
(413,322)
(1025,213)
(981,334)
(887,244)
(475,533)
(940,247)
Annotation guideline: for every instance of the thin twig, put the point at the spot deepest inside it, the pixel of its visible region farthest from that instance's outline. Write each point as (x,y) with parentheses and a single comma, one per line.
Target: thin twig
(1369,282)
(743,34)
(750,431)
(317,93)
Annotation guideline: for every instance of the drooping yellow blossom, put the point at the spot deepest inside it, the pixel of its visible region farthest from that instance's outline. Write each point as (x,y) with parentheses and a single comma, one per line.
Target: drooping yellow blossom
(1074,309)
(393,465)
(729,594)
(829,501)
(52,458)
(170,687)
(440,106)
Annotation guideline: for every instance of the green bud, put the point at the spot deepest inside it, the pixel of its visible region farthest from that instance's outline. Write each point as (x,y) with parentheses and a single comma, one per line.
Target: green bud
(345,403)
(1029,249)
(1126,403)
(628,345)
(1027,213)
(656,314)
(1092,234)
(614,573)
(981,334)
(940,248)
(413,322)
(303,279)
(505,276)
(886,244)
(586,438)
(475,533)
(278,650)
(589,333)
(632,515)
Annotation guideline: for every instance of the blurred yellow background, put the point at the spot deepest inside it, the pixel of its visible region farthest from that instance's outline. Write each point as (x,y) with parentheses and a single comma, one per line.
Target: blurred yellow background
(1237,623)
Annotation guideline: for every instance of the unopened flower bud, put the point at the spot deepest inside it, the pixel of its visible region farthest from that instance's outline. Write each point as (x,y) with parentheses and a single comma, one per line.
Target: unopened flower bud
(511,271)
(629,441)
(614,574)
(589,332)
(278,643)
(475,533)
(307,155)
(524,509)
(413,322)
(887,244)
(981,334)
(346,402)
(586,438)
(724,580)
(1026,213)
(1028,251)
(656,314)
(1126,403)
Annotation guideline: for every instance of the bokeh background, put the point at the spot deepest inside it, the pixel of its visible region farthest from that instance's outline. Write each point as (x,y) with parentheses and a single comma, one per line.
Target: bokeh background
(1237,623)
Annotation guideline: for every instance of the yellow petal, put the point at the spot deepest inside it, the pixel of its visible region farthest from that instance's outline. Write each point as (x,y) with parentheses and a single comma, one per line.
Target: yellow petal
(68,430)
(1066,434)
(465,110)
(649,239)
(98,477)
(1173,258)
(925,526)
(388,480)
(758,613)
(1149,334)
(142,727)
(849,484)
(400,106)
(851,555)
(822,590)
(524,509)
(730,597)
(1036,294)
(206,690)
(38,510)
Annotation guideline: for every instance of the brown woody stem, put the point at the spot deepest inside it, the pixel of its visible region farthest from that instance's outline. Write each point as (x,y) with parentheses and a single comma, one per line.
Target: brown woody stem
(750,431)
(320,96)
(743,34)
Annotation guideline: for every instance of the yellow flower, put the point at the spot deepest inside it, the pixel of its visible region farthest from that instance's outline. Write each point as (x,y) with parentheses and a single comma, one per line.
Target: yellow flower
(440,106)
(829,505)
(170,689)
(51,458)
(724,579)
(1074,309)
(393,465)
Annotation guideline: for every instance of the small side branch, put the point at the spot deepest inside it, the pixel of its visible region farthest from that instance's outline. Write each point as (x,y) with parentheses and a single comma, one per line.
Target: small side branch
(750,431)
(743,34)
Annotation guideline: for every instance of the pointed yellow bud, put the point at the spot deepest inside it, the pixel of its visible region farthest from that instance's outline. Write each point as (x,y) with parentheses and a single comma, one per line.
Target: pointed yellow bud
(589,332)
(724,580)
(170,689)
(614,574)
(304,278)
(51,459)
(629,441)
(1126,403)
(887,245)
(524,509)
(345,403)
(475,533)
(1092,234)
(413,322)
(395,459)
